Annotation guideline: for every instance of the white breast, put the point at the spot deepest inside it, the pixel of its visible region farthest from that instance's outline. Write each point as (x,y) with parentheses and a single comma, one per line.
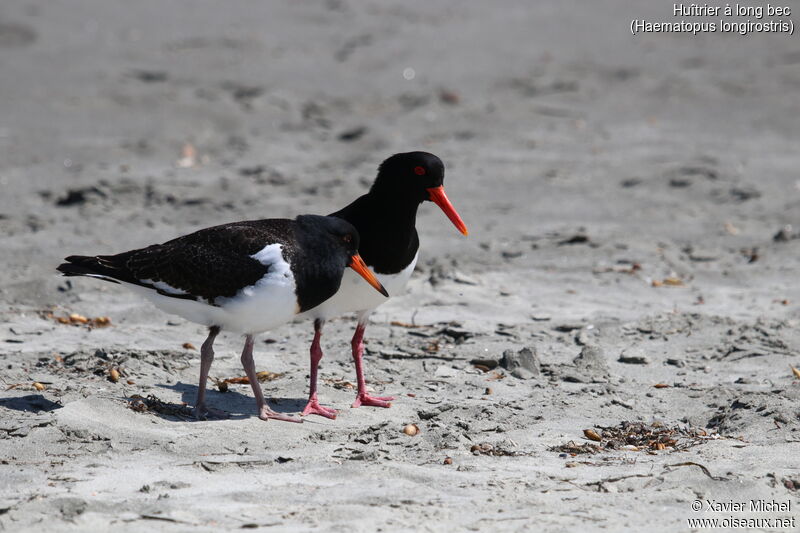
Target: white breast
(268,303)
(356,295)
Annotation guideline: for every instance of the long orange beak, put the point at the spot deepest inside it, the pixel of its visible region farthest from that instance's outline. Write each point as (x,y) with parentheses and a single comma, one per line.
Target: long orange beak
(358,264)
(438,197)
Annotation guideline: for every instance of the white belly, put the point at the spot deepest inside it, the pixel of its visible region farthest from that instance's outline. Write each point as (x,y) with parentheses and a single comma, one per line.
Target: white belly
(356,295)
(268,303)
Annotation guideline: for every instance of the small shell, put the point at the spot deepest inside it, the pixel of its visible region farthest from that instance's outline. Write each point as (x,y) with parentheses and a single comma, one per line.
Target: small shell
(482,448)
(188,346)
(38,386)
(75,317)
(592,435)
(113,375)
(448,460)
(411,430)
(101,322)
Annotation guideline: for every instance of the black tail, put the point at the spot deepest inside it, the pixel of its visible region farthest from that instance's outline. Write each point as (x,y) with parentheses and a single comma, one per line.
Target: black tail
(102,267)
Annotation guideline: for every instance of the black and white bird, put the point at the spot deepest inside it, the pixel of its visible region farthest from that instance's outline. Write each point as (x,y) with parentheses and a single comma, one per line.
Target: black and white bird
(245,277)
(385,218)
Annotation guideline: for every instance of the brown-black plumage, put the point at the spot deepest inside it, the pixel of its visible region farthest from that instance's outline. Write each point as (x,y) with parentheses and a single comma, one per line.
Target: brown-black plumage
(209,263)
(218,262)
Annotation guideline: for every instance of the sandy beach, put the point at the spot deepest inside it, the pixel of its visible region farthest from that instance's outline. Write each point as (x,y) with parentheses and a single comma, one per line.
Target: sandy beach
(612,344)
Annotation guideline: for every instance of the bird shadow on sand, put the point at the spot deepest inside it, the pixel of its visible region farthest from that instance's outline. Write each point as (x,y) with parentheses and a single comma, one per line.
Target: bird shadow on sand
(238,405)
(32,403)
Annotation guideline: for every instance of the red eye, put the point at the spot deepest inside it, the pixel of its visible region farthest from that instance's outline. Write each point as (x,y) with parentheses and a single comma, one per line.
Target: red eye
(419,171)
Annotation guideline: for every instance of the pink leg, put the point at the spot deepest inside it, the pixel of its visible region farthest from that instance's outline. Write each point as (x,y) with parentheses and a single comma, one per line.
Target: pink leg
(313,407)
(264,412)
(201,412)
(363,397)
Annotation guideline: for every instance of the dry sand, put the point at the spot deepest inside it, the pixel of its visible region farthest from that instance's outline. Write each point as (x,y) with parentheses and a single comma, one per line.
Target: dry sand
(590,166)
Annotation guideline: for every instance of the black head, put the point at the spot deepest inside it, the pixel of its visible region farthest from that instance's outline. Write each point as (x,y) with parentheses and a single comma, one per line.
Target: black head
(343,235)
(414,177)
(340,242)
(409,175)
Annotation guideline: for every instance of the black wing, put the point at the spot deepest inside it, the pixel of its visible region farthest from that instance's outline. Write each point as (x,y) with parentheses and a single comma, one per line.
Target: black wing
(210,263)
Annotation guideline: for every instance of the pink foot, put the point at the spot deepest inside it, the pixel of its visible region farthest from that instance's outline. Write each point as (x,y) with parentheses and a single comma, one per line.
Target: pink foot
(268,414)
(372,401)
(314,408)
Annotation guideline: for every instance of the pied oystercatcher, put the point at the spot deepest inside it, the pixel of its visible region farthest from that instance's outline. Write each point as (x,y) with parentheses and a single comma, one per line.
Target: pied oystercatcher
(385,218)
(245,277)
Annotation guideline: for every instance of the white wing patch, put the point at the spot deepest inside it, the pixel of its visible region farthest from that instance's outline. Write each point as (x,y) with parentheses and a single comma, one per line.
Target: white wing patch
(160,285)
(272,256)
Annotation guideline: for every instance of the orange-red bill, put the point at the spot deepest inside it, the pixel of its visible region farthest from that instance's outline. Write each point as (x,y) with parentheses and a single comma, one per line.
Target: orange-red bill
(358,264)
(438,197)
